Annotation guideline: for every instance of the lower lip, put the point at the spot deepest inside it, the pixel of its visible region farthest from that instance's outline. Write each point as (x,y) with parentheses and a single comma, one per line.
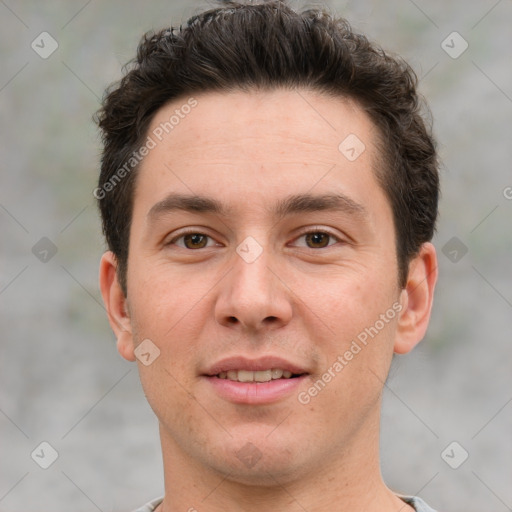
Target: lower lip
(255,392)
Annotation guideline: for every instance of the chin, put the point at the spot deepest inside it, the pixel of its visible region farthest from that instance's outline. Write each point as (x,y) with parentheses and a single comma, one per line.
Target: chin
(265,473)
(260,460)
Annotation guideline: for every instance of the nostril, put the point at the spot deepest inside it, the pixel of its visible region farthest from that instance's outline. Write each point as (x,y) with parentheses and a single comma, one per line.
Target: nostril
(270,321)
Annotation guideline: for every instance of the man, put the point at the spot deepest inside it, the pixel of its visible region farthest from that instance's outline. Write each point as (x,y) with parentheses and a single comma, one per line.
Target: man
(268,193)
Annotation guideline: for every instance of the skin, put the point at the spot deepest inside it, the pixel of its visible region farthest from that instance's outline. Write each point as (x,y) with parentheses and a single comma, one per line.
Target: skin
(302,299)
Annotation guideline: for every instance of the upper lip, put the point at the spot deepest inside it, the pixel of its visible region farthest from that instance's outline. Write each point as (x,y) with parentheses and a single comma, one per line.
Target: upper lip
(261,363)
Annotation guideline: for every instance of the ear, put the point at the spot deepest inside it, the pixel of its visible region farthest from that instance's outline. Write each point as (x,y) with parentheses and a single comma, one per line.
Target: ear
(416,299)
(116,304)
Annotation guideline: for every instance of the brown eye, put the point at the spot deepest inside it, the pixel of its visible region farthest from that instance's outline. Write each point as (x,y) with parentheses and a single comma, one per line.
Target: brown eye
(195,241)
(318,239)
(192,240)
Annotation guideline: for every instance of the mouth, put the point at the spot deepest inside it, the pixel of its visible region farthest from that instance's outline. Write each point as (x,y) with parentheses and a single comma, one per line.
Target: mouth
(257,376)
(244,381)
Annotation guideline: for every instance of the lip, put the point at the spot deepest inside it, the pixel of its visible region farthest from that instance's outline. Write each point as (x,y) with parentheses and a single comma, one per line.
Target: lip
(255,393)
(244,363)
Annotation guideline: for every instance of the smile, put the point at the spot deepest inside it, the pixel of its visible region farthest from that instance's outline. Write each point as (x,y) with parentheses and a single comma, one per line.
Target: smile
(256,376)
(243,380)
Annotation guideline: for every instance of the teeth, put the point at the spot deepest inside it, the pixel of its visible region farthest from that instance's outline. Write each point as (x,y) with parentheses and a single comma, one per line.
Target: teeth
(245,376)
(263,376)
(277,373)
(258,376)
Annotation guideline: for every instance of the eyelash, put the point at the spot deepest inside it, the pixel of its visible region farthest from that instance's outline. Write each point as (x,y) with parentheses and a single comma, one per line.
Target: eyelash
(311,231)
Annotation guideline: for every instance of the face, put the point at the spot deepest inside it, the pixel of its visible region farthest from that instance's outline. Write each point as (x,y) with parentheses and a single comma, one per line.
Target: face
(261,248)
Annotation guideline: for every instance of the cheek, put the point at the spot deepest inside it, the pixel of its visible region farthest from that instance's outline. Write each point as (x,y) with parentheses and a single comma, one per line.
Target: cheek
(353,300)
(161,299)
(358,345)
(167,394)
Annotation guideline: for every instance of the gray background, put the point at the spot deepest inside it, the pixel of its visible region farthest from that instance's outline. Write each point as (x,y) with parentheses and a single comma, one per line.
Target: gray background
(61,379)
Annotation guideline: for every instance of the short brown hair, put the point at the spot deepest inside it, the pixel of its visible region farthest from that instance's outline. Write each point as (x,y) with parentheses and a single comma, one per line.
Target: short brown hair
(268,45)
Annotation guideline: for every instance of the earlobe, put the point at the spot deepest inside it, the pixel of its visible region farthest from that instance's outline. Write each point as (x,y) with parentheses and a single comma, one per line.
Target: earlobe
(416,299)
(116,305)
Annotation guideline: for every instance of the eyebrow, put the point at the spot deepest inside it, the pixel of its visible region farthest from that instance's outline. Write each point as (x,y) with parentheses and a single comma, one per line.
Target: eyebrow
(294,204)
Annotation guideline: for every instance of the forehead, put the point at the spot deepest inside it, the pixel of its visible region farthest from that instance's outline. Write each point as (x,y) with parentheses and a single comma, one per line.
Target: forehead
(252,144)
(245,118)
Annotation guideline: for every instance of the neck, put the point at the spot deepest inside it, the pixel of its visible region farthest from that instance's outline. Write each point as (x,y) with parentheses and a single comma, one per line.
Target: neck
(349,480)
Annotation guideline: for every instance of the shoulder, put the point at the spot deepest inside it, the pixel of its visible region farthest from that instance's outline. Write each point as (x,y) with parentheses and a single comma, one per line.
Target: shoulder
(149,507)
(417,503)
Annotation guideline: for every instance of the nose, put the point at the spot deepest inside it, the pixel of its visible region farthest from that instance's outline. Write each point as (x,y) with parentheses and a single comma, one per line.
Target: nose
(254,296)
